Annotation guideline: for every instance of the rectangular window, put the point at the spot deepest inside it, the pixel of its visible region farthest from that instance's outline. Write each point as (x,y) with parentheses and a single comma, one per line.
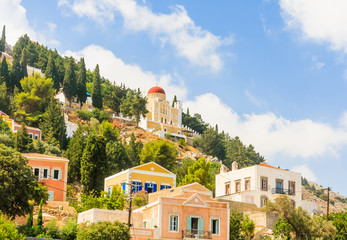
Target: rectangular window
(144,224)
(247,184)
(31,135)
(173,223)
(56,174)
(227,188)
(164,186)
(137,186)
(263,181)
(291,186)
(109,191)
(279,186)
(215,226)
(45,173)
(37,173)
(238,186)
(150,187)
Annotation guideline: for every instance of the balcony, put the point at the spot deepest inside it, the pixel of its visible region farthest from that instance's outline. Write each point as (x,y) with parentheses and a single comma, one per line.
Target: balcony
(282,191)
(196,234)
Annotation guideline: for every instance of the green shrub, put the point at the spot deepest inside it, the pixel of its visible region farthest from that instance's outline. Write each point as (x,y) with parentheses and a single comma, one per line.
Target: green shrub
(52,229)
(69,231)
(104,230)
(8,230)
(183,144)
(84,114)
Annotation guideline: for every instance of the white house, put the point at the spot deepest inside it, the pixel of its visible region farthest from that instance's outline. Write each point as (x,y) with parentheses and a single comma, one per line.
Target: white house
(260,183)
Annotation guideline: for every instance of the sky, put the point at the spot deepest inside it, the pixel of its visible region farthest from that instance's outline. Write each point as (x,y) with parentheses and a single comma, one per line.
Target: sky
(272,72)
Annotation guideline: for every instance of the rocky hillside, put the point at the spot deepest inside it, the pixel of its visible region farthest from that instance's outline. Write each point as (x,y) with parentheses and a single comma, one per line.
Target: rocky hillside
(317,193)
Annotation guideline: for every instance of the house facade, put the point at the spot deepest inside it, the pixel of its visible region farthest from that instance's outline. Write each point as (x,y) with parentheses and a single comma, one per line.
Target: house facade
(34,133)
(75,104)
(185,212)
(258,184)
(149,176)
(50,171)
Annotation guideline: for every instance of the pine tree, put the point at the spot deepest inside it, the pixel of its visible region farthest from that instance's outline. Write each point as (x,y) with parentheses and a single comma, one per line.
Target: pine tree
(53,126)
(134,149)
(23,141)
(39,215)
(3,40)
(42,59)
(5,74)
(5,102)
(23,63)
(174,101)
(51,72)
(96,97)
(188,111)
(81,82)
(16,74)
(69,85)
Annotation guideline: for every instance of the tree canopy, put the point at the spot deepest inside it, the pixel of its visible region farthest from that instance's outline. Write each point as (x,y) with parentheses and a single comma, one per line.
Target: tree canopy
(18,184)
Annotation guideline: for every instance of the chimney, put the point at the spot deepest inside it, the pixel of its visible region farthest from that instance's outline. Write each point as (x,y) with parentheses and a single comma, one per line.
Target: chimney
(223,168)
(234,166)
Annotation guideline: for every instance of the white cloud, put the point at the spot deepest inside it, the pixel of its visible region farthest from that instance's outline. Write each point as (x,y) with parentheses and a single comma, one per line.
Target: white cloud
(192,42)
(13,15)
(318,20)
(52,26)
(306,172)
(114,69)
(270,134)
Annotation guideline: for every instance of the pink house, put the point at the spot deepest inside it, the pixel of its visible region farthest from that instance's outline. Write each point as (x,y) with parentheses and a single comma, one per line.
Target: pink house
(185,212)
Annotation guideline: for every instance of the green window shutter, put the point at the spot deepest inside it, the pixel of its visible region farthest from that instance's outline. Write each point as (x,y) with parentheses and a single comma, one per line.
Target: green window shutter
(217,226)
(201,223)
(189,223)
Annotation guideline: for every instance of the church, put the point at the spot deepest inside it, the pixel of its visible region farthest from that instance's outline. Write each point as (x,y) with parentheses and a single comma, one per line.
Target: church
(163,119)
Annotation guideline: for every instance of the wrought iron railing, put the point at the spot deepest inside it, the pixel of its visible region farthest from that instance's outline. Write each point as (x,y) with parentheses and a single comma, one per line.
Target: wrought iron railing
(282,191)
(195,233)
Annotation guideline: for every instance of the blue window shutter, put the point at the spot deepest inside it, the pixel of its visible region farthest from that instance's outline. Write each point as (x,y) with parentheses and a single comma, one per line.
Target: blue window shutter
(201,224)
(146,187)
(123,187)
(161,187)
(140,186)
(154,187)
(189,223)
(169,186)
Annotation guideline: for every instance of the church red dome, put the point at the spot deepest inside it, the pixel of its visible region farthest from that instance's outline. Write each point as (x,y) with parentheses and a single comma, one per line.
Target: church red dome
(156,89)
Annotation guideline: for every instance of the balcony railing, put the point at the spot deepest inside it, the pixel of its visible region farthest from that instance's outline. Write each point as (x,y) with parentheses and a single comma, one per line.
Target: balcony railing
(283,191)
(198,234)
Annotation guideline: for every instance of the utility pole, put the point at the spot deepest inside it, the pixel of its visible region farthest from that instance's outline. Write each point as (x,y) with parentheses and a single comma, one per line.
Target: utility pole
(130,203)
(328,204)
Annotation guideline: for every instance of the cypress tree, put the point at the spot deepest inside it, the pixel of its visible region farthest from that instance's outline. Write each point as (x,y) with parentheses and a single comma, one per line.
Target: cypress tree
(51,72)
(16,74)
(39,221)
(22,140)
(96,97)
(5,74)
(69,84)
(188,111)
(53,126)
(81,82)
(174,100)
(3,40)
(23,63)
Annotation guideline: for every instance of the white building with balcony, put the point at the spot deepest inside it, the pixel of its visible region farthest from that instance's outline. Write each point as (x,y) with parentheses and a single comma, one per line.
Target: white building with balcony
(259,184)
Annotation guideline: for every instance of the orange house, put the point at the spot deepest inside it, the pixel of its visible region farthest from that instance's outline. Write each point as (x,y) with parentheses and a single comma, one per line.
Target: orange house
(185,212)
(50,171)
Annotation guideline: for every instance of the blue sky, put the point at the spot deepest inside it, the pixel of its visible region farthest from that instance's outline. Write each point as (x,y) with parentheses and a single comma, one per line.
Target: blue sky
(272,72)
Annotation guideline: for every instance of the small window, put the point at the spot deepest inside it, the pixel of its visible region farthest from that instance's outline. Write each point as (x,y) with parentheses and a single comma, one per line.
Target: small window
(247,184)
(291,190)
(178,132)
(263,201)
(215,226)
(137,186)
(263,183)
(163,187)
(165,130)
(37,173)
(171,122)
(227,188)
(165,120)
(50,195)
(109,191)
(45,173)
(36,137)
(144,224)
(56,174)
(162,120)
(31,135)
(238,186)
(173,223)
(150,187)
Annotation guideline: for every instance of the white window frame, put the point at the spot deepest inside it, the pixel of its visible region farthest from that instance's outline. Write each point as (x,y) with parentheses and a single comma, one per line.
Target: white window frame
(48,173)
(31,135)
(217,234)
(59,173)
(39,177)
(178,220)
(165,186)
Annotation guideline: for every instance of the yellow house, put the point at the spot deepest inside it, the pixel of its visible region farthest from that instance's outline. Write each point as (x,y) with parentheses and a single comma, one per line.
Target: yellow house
(150,177)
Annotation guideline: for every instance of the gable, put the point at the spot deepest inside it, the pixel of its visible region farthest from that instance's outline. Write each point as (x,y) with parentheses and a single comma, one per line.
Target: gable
(195,200)
(193,187)
(152,167)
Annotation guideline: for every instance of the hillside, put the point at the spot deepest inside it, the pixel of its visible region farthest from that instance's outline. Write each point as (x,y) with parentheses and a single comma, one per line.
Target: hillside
(315,192)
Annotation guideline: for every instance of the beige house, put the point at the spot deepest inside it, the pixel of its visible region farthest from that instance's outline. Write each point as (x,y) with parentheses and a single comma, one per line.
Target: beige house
(259,184)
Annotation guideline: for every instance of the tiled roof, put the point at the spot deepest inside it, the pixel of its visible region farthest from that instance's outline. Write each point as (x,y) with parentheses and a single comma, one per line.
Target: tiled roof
(269,166)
